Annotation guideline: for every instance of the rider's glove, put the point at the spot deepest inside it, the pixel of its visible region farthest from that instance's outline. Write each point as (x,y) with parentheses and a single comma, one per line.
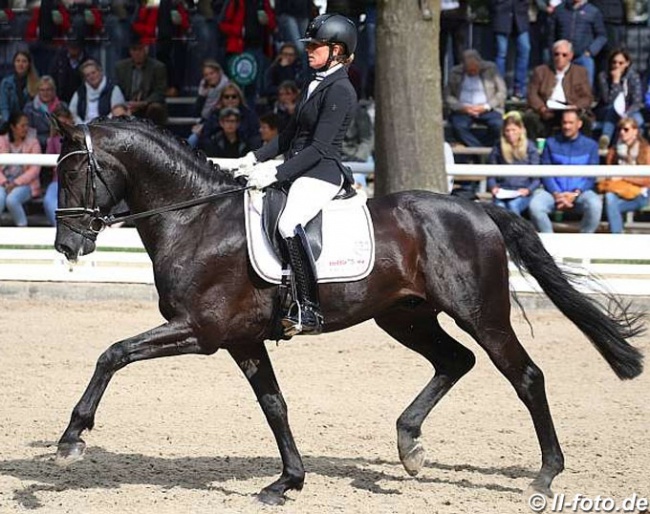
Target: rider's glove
(262,175)
(244,165)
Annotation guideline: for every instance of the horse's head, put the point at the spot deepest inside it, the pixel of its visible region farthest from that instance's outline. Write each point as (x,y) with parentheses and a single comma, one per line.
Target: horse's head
(91,182)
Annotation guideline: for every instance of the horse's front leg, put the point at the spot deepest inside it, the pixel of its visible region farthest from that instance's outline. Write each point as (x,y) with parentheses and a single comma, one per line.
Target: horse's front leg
(173,338)
(255,363)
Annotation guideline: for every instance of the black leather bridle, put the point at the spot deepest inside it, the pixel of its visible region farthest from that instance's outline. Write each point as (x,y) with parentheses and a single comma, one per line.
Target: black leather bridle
(98,221)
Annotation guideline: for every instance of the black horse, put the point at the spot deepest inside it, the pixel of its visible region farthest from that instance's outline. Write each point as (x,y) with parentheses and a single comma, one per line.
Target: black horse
(434,254)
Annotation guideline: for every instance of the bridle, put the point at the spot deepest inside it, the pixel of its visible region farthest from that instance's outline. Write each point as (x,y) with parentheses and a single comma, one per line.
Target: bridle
(98,221)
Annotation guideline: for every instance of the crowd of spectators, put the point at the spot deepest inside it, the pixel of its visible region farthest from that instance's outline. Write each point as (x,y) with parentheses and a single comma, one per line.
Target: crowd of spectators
(243,63)
(577,100)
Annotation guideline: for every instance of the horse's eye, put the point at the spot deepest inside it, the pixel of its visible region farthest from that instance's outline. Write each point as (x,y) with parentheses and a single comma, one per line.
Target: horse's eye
(71,175)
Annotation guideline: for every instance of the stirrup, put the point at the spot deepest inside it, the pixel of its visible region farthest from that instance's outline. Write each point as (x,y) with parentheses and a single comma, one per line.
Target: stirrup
(302,320)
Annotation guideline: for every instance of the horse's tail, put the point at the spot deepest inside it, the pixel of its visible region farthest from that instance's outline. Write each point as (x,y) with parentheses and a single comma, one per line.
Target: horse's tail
(607,327)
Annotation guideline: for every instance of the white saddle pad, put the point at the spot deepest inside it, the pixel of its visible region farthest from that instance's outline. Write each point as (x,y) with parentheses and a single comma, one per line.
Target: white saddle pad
(348,241)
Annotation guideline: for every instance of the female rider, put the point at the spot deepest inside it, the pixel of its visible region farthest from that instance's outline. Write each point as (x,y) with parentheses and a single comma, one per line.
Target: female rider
(312,169)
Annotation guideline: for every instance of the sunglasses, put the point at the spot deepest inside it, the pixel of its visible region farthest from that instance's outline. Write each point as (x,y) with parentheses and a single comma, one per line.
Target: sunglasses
(561,54)
(230,97)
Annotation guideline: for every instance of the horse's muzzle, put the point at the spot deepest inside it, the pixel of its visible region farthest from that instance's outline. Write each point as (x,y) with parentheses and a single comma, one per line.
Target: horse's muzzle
(72,244)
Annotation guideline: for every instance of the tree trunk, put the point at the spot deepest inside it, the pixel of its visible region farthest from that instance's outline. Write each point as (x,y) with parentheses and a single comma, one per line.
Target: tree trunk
(409,132)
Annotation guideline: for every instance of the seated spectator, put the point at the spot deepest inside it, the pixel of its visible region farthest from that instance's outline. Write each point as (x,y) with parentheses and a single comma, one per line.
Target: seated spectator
(249,127)
(43,104)
(359,140)
(143,80)
(513,193)
(285,106)
(18,88)
(581,23)
(65,68)
(50,199)
(620,95)
(553,89)
(96,96)
(227,142)
(18,183)
(571,147)
(210,88)
(286,66)
(475,93)
(625,194)
(268,127)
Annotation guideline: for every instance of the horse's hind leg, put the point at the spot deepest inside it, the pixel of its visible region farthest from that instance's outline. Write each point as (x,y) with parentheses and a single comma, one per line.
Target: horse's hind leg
(494,333)
(254,361)
(419,330)
(166,340)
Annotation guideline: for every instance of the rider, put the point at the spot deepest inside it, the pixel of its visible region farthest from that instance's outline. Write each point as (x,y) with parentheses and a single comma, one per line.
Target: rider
(313,169)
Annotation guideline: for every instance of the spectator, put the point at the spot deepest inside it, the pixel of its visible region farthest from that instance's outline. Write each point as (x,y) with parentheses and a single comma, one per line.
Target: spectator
(620,94)
(43,104)
(613,12)
(96,97)
(475,93)
(293,17)
(268,127)
(626,194)
(453,25)
(17,89)
(581,23)
(552,89)
(359,140)
(510,17)
(568,193)
(18,183)
(539,20)
(212,84)
(143,80)
(287,101)
(65,68)
(513,193)
(285,67)
(249,127)
(53,146)
(226,143)
(248,27)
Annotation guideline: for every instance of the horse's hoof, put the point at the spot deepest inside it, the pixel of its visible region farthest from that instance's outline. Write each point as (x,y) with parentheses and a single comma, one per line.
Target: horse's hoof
(69,453)
(271,497)
(412,455)
(535,489)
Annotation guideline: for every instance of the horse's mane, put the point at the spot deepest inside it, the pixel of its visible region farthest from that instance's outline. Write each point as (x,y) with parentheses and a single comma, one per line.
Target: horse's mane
(195,162)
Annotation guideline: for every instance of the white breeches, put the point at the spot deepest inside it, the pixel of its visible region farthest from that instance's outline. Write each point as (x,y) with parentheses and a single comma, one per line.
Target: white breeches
(307,196)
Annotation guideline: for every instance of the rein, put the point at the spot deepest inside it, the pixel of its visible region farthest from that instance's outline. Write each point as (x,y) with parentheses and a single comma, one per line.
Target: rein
(98,221)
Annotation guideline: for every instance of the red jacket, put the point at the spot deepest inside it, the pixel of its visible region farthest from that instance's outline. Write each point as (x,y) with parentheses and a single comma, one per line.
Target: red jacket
(146,23)
(31,30)
(232,26)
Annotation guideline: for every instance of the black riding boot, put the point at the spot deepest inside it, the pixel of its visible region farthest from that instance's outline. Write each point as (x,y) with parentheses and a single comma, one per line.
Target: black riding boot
(304,315)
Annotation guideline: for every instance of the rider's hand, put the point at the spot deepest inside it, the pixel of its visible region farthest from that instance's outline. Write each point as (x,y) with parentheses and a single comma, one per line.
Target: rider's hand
(244,165)
(262,175)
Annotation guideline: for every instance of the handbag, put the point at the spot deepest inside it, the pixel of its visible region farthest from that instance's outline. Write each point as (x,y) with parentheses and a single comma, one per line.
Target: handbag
(626,190)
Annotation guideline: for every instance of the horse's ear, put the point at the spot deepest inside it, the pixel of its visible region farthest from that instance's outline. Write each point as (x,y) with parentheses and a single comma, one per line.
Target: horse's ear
(62,128)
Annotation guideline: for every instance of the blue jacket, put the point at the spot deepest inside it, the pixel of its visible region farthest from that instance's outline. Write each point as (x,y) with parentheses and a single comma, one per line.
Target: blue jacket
(496,157)
(584,27)
(562,151)
(509,16)
(10,97)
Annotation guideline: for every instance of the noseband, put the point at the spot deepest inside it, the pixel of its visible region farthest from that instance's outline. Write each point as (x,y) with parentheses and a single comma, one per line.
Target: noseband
(90,208)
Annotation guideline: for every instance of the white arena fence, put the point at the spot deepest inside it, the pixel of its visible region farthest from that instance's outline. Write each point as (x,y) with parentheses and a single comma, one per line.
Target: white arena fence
(27,254)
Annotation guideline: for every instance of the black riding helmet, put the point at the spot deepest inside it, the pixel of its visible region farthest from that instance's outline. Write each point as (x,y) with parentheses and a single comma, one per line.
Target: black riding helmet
(331,29)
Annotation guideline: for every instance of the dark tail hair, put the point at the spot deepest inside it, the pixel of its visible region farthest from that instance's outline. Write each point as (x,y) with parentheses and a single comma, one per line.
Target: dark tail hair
(607,327)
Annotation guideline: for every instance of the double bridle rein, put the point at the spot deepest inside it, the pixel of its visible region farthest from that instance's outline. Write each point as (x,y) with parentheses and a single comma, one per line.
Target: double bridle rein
(98,221)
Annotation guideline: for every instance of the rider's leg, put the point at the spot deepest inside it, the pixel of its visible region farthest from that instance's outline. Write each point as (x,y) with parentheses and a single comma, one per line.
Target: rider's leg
(307,196)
